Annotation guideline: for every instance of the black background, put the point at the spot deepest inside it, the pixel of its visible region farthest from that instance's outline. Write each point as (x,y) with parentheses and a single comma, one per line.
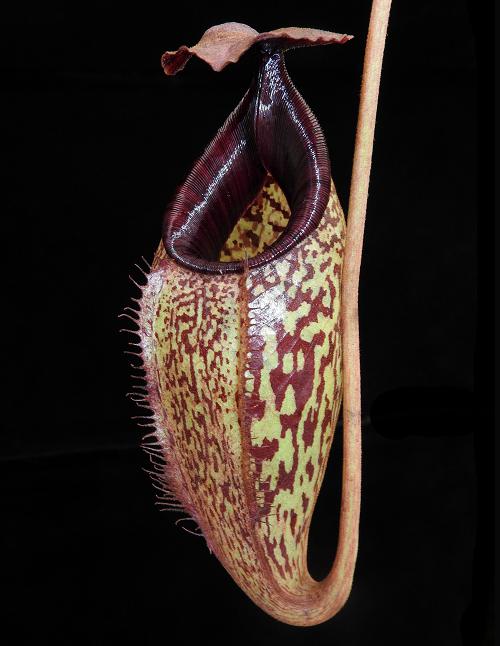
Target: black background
(97,141)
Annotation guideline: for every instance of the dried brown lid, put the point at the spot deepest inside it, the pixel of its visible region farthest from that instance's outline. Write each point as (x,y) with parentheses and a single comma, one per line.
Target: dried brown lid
(226,43)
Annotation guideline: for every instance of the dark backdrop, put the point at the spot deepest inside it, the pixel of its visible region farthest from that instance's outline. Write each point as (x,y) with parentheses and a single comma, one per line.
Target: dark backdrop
(97,141)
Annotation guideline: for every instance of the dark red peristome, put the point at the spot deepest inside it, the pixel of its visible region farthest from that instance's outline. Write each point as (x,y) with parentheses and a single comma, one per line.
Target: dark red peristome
(271,131)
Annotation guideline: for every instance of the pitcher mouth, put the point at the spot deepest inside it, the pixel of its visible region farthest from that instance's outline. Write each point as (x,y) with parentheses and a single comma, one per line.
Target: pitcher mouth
(272,132)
